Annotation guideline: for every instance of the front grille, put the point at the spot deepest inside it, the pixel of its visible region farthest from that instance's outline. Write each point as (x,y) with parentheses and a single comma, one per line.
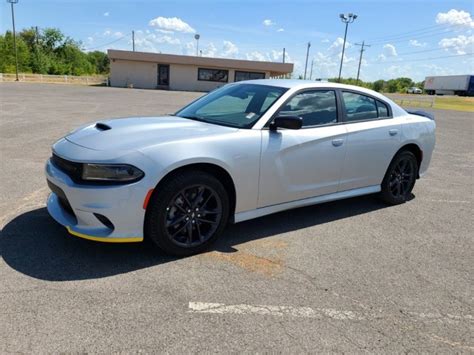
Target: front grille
(63,201)
(72,169)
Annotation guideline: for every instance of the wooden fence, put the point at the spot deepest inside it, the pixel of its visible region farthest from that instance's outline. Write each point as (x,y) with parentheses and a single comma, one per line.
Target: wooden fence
(58,79)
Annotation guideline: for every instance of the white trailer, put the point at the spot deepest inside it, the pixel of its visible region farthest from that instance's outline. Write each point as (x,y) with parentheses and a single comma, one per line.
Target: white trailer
(462,85)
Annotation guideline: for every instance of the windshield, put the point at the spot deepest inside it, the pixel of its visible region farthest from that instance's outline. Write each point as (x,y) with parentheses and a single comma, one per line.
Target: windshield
(235,105)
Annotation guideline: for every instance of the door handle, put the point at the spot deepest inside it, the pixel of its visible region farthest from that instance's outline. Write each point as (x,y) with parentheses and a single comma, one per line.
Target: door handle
(337,142)
(393,132)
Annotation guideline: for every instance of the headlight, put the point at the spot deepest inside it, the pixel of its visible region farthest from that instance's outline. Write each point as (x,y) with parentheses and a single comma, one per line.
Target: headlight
(111,173)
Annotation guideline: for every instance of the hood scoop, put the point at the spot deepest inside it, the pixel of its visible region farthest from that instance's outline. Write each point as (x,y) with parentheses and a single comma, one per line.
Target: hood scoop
(102,126)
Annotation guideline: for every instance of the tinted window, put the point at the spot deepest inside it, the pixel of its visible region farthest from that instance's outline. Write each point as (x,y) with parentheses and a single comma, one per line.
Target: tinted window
(382,109)
(245,75)
(213,75)
(359,107)
(315,107)
(236,105)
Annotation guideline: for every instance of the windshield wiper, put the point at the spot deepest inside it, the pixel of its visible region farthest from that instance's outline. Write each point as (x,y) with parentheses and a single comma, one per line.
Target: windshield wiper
(192,117)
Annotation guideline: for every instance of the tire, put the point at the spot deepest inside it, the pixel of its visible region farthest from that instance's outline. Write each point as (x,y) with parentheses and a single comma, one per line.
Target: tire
(187,214)
(400,178)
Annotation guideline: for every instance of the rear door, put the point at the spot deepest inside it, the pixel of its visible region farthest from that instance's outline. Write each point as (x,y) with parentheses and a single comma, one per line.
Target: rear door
(373,138)
(298,164)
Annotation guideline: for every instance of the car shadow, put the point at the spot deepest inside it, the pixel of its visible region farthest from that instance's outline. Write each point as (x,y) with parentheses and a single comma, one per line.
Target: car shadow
(35,245)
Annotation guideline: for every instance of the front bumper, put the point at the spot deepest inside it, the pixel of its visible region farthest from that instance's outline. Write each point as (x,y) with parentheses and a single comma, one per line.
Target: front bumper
(80,208)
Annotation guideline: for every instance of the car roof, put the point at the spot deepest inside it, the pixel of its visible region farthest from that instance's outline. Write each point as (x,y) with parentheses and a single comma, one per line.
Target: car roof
(302,84)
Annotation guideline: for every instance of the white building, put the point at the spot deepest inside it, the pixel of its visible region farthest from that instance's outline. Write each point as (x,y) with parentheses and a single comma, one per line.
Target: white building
(182,72)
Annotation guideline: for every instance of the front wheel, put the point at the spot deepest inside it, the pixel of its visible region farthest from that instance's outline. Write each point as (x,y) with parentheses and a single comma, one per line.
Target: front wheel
(187,214)
(400,178)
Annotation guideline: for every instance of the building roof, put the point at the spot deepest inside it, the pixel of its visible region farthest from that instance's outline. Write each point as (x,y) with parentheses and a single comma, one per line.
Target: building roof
(273,68)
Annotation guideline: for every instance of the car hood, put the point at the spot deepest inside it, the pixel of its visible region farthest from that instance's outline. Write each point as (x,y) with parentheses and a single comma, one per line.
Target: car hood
(135,133)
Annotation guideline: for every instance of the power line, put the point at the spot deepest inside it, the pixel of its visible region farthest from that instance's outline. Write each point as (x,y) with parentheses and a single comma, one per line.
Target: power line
(445,31)
(108,43)
(422,31)
(404,33)
(427,50)
(424,59)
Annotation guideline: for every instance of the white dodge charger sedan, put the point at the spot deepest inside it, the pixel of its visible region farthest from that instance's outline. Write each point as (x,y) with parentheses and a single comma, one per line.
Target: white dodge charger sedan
(242,151)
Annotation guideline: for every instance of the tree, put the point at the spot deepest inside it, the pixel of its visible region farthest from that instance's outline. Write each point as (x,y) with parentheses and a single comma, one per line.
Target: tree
(100,61)
(378,85)
(7,54)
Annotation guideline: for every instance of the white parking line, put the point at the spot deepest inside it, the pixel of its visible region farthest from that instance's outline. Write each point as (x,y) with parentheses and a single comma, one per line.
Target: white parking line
(307,312)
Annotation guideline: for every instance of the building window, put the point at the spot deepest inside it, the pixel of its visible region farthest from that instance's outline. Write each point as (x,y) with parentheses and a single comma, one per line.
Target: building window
(219,75)
(247,75)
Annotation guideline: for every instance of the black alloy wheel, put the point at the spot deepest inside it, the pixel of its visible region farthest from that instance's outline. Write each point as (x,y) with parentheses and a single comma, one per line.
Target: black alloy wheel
(193,215)
(400,178)
(187,212)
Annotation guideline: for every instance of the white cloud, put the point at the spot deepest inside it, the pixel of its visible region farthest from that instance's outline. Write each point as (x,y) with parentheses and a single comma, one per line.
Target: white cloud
(171,24)
(163,31)
(229,49)
(455,17)
(256,55)
(210,50)
(459,45)
(389,50)
(110,33)
(167,40)
(325,40)
(416,43)
(281,30)
(336,46)
(106,14)
(268,22)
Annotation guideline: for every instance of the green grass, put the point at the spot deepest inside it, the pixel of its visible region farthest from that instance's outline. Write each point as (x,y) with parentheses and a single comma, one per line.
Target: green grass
(465,104)
(456,103)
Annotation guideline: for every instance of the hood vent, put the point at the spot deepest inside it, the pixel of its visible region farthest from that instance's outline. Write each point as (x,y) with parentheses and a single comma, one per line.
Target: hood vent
(102,126)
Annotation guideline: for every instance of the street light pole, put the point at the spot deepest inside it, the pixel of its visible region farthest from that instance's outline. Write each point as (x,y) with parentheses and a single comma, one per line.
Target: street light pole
(196,37)
(12,2)
(347,19)
(306,63)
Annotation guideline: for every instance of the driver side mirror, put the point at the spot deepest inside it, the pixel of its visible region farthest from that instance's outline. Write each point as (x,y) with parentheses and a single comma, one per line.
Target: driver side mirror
(288,122)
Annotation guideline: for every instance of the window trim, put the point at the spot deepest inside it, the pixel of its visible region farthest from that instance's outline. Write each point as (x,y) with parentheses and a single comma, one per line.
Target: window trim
(243,71)
(213,81)
(346,121)
(339,118)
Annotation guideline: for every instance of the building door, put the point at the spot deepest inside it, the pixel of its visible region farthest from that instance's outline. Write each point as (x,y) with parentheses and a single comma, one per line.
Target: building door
(163,75)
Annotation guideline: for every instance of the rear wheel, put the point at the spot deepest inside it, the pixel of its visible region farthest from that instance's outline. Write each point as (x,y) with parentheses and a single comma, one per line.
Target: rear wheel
(187,214)
(400,178)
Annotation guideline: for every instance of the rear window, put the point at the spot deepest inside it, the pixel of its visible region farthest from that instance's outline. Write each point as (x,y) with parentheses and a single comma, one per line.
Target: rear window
(360,107)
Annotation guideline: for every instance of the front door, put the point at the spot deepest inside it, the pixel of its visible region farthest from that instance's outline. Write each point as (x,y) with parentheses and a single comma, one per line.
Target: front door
(163,75)
(298,164)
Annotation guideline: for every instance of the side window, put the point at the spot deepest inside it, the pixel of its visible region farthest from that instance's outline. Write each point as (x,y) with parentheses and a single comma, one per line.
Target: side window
(359,107)
(382,109)
(315,107)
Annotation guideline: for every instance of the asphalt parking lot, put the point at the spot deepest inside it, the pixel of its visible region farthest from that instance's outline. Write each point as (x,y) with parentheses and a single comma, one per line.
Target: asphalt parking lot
(347,276)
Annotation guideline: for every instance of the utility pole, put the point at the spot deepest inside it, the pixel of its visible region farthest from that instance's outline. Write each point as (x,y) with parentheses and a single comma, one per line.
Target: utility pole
(12,2)
(133,41)
(311,71)
(360,58)
(347,19)
(306,63)
(284,53)
(36,36)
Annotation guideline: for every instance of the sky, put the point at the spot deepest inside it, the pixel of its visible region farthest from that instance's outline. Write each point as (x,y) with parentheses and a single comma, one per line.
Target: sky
(407,38)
